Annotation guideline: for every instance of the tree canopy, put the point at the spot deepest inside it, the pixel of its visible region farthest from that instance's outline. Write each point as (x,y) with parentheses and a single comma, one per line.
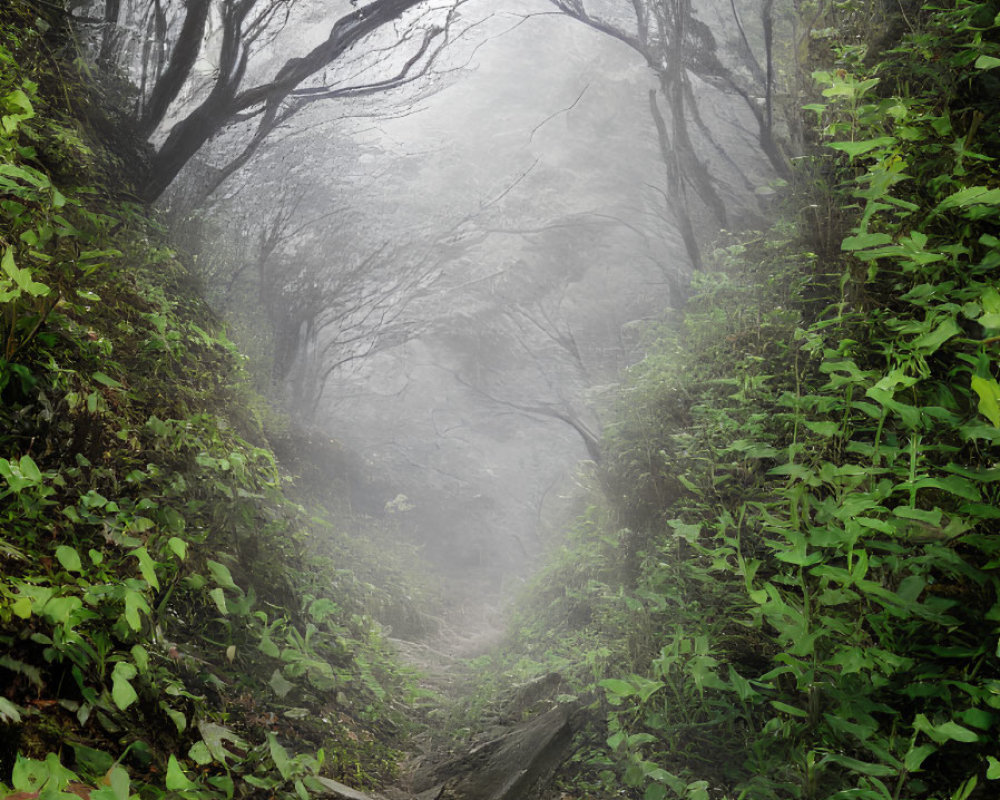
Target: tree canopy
(243,88)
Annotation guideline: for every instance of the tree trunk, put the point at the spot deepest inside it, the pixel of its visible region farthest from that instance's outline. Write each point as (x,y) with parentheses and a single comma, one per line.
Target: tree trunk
(184,141)
(182,60)
(112,9)
(187,136)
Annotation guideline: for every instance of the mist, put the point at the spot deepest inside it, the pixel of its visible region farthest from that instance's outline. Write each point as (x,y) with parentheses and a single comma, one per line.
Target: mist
(457,271)
(421,399)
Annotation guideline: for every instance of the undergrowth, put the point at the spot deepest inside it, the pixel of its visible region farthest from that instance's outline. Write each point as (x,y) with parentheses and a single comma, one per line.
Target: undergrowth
(171,623)
(787,584)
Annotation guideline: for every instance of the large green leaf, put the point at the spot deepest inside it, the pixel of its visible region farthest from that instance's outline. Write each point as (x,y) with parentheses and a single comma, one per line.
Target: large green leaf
(146,566)
(134,603)
(795,712)
(946,731)
(279,684)
(9,713)
(219,598)
(178,546)
(215,738)
(267,645)
(60,610)
(122,691)
(862,240)
(220,572)
(970,196)
(863,767)
(617,689)
(928,343)
(916,755)
(69,558)
(22,277)
(177,781)
(37,179)
(280,756)
(989,398)
(864,146)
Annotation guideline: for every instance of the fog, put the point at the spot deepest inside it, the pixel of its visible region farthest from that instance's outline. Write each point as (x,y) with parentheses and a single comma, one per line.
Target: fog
(544,148)
(456,272)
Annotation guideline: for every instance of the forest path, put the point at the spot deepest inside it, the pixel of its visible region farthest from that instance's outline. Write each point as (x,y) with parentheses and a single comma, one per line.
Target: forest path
(471,624)
(462,715)
(480,740)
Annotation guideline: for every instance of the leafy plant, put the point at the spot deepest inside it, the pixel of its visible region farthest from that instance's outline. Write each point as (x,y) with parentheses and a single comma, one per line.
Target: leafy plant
(168,625)
(798,512)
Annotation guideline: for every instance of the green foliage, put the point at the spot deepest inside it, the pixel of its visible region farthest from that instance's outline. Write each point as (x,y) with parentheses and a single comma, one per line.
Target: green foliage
(167,623)
(798,545)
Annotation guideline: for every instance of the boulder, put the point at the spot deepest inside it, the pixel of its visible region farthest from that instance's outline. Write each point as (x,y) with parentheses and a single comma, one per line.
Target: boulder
(508,767)
(339,791)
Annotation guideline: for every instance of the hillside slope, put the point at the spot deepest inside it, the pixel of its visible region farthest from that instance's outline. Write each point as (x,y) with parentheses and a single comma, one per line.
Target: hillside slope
(786,585)
(170,622)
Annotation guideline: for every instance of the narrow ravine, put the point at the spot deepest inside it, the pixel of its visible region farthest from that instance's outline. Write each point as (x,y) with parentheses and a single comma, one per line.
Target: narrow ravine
(391,398)
(470,626)
(520,736)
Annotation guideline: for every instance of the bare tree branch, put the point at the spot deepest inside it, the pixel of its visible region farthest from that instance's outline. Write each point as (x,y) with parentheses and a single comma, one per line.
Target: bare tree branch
(674,43)
(555,114)
(180,35)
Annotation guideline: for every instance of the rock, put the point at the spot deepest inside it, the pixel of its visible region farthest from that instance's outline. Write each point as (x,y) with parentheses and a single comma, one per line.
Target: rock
(532,695)
(506,768)
(341,792)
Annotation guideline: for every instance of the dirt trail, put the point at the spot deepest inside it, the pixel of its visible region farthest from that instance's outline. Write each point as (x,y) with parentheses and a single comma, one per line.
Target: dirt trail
(521,735)
(469,626)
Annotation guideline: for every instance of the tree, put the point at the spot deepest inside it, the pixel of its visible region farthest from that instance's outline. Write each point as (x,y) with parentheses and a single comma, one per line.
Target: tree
(308,297)
(235,34)
(553,372)
(676,45)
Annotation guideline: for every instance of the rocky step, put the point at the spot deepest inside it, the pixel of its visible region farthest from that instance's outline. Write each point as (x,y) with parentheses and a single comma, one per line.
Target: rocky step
(514,765)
